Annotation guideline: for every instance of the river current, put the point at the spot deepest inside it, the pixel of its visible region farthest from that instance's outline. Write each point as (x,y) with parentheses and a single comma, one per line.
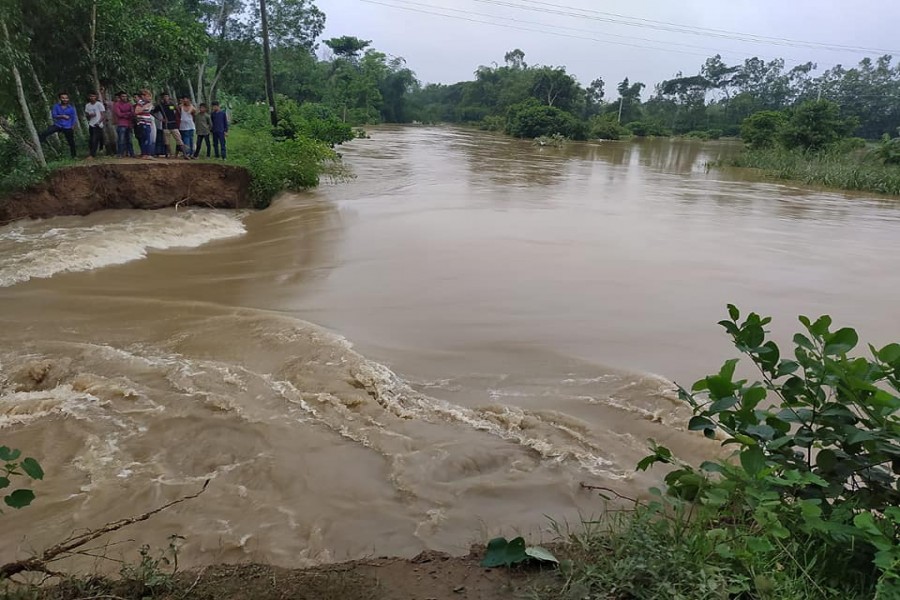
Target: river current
(438,350)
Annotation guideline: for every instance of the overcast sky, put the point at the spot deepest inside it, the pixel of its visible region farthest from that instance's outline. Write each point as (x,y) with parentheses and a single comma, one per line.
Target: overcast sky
(443,49)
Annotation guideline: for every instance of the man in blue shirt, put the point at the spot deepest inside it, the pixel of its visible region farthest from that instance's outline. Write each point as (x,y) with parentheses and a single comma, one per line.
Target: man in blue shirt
(219,129)
(63,122)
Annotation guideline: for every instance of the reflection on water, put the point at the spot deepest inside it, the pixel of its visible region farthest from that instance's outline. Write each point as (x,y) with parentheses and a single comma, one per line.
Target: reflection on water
(517,315)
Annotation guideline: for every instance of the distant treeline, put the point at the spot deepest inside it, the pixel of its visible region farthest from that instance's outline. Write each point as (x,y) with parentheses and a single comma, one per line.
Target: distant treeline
(517,97)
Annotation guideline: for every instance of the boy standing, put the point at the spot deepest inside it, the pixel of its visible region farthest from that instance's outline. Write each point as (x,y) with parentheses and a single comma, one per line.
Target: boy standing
(145,123)
(219,129)
(203,124)
(93,111)
(63,121)
(187,126)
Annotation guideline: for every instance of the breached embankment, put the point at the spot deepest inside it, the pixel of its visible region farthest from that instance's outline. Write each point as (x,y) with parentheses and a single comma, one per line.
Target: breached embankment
(83,189)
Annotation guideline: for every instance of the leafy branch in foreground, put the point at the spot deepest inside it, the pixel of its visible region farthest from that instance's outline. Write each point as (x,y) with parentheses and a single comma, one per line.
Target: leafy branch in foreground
(26,468)
(817,450)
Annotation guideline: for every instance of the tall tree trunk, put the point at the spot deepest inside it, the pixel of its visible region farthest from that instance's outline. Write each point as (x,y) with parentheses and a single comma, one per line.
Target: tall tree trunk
(223,22)
(23,103)
(201,72)
(215,82)
(191,91)
(267,60)
(40,90)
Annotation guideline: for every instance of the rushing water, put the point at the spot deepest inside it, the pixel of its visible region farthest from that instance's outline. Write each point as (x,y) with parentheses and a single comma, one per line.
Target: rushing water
(516,316)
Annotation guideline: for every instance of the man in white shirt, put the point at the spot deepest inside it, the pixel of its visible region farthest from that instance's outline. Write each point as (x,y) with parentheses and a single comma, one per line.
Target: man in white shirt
(94,110)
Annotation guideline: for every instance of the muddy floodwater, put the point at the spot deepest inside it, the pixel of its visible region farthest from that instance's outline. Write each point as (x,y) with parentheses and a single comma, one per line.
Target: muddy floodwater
(436,351)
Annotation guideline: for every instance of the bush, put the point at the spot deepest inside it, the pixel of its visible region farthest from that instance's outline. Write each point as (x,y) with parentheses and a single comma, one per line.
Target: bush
(697,135)
(315,121)
(760,130)
(606,129)
(815,125)
(531,119)
(648,129)
(888,151)
(848,145)
(492,123)
(715,134)
(275,165)
(817,452)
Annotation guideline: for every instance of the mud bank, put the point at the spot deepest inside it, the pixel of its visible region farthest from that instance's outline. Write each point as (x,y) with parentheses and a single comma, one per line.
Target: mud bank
(83,189)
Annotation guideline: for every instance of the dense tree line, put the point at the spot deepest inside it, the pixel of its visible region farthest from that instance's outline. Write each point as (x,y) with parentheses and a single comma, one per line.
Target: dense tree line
(714,101)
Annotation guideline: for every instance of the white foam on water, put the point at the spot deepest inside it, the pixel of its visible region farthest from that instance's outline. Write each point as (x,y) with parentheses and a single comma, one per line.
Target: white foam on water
(37,249)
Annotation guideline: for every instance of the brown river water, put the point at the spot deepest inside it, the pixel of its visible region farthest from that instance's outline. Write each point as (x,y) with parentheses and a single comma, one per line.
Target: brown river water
(433,352)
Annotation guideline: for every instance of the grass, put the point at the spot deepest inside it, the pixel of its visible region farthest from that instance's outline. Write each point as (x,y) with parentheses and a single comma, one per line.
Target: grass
(648,555)
(853,171)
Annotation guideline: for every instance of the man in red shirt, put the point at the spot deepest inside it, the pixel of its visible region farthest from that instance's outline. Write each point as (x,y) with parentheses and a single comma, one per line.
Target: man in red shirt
(124,114)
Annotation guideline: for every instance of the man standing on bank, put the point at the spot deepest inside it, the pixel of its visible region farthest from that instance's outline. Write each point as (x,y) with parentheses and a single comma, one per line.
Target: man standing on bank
(63,121)
(93,111)
(124,113)
(219,129)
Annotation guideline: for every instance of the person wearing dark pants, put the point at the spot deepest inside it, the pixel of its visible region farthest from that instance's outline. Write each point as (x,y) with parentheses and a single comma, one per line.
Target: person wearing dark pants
(63,121)
(124,113)
(204,126)
(219,130)
(93,111)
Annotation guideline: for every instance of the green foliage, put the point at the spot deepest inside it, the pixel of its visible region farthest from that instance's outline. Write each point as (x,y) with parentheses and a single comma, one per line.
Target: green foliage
(817,449)
(503,553)
(815,125)
(492,123)
(648,129)
(761,129)
(314,121)
(605,128)
(531,119)
(154,575)
(14,468)
(828,168)
(293,164)
(888,150)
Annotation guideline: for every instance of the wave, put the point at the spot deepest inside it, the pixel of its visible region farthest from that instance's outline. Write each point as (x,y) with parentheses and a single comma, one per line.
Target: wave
(41,249)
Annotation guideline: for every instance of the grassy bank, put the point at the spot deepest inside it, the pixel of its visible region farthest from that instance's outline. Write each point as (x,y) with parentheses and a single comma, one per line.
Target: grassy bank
(847,171)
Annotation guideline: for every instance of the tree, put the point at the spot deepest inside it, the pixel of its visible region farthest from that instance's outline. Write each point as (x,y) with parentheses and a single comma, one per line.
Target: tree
(515,59)
(816,124)
(761,129)
(348,47)
(554,87)
(295,23)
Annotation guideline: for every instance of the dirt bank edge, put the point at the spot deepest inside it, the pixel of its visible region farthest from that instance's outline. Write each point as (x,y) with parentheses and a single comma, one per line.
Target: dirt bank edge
(83,189)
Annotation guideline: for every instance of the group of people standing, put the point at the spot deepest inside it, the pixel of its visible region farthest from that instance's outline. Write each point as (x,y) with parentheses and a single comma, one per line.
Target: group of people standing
(158,127)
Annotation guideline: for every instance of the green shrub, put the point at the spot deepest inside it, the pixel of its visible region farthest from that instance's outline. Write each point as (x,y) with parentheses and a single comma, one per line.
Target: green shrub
(848,145)
(531,119)
(648,129)
(888,151)
(715,134)
(275,165)
(604,128)
(817,451)
(492,123)
(815,125)
(760,130)
(697,135)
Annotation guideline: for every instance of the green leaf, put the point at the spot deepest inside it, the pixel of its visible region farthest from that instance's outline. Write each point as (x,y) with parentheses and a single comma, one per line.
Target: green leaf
(841,341)
(723,404)
(752,397)
(803,341)
(8,454)
(32,468)
(19,498)
(890,353)
(733,312)
(4,483)
(711,467)
(753,460)
(820,327)
(866,522)
(503,553)
(538,553)
(761,431)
